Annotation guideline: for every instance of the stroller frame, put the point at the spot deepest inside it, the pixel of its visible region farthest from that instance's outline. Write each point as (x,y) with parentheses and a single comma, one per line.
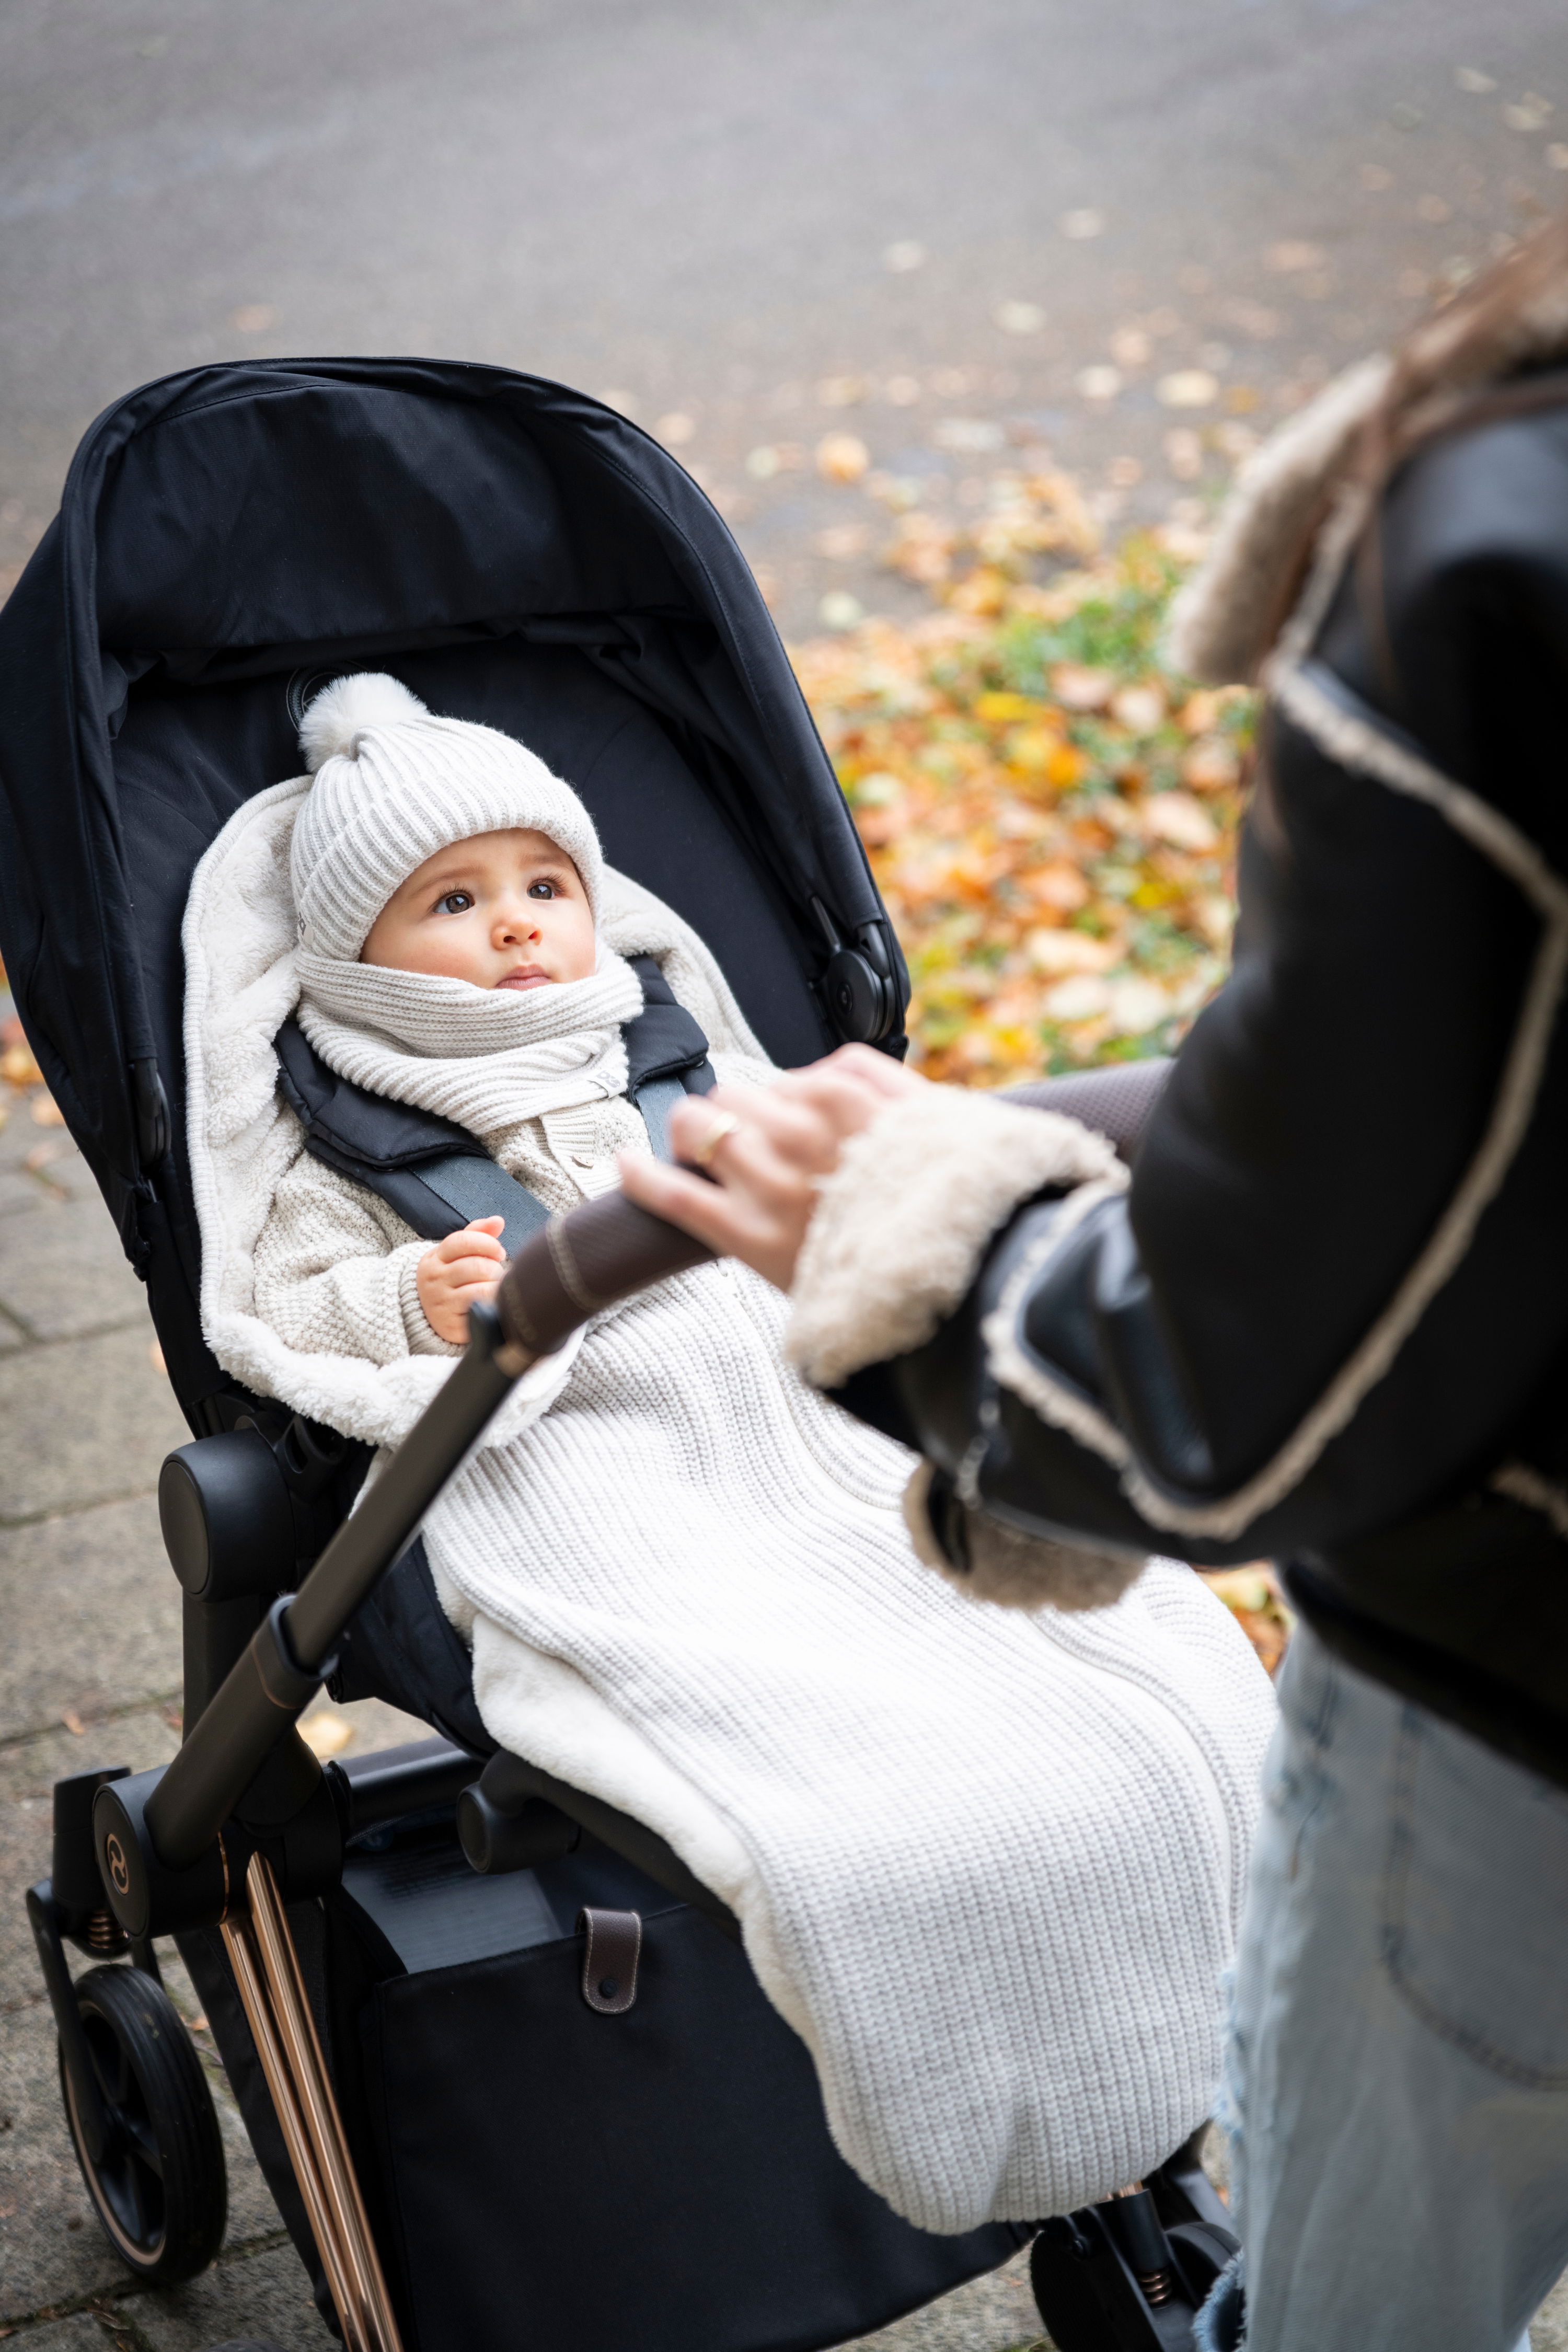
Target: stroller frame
(245,1822)
(266,1965)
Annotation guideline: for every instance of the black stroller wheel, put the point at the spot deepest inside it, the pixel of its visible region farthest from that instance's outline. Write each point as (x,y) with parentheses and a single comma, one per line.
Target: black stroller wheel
(160,2188)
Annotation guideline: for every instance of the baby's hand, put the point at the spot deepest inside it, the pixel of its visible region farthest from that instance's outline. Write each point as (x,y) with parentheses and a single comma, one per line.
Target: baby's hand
(458,1274)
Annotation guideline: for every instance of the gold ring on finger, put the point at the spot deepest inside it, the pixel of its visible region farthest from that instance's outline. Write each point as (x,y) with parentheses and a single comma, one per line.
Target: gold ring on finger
(724,1123)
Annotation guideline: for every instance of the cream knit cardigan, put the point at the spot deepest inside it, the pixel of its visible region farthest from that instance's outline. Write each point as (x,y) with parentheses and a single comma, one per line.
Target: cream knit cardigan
(987,1863)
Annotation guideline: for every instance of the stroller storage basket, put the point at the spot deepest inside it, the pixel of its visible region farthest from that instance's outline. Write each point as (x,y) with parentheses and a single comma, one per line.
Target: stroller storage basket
(542,2173)
(600,2178)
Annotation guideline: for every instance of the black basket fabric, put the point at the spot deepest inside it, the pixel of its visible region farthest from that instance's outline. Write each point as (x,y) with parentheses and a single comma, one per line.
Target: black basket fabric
(540,2174)
(663,2178)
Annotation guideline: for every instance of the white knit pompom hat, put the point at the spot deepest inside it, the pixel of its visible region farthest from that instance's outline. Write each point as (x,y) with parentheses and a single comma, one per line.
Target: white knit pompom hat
(393,784)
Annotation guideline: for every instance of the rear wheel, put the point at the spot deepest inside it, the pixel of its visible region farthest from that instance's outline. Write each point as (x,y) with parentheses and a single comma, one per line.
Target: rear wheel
(160,2187)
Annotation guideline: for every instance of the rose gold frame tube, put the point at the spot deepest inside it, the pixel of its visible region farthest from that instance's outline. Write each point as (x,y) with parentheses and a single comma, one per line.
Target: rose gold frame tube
(253,1995)
(323,2125)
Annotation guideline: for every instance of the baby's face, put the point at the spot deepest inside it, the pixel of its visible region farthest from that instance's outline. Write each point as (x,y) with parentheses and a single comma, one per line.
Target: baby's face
(500,911)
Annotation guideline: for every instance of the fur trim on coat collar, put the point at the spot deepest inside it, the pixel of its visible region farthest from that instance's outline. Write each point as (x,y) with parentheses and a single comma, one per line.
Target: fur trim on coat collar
(1219,623)
(1218,629)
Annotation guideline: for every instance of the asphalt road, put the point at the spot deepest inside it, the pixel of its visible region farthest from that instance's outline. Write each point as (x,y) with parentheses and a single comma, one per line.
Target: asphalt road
(693,205)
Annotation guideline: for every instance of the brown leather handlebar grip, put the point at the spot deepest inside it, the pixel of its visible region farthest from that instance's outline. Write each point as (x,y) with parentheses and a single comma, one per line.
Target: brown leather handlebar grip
(598,1253)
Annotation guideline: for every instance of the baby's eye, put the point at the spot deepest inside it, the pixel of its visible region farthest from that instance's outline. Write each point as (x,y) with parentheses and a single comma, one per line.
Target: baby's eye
(541,889)
(455,902)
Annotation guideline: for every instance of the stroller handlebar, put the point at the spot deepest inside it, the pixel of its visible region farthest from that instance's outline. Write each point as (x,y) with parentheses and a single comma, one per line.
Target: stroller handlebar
(596,1254)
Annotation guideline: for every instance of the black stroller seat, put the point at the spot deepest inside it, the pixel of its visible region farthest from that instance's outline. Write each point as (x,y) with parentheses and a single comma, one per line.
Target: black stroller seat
(501,2057)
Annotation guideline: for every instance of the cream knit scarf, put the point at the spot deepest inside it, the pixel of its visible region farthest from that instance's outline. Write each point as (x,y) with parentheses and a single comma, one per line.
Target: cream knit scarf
(487,1057)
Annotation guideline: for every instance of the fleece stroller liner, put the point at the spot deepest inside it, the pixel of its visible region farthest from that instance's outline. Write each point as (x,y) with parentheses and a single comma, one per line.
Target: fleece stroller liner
(519,555)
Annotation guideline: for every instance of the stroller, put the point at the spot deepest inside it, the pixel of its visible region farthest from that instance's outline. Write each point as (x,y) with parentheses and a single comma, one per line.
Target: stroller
(503,2063)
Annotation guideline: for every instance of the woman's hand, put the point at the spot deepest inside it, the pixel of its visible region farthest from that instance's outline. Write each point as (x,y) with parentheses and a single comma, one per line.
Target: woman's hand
(461,1272)
(767,1148)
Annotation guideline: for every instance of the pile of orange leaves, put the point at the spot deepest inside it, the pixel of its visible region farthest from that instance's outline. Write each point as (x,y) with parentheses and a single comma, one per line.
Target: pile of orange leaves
(1050,813)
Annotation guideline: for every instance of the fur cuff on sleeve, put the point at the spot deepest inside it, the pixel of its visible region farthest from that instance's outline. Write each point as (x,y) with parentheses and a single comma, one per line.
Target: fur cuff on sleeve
(1004,1565)
(905,1216)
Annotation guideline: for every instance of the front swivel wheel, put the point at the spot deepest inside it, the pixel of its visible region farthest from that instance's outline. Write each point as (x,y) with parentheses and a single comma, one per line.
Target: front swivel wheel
(159,2186)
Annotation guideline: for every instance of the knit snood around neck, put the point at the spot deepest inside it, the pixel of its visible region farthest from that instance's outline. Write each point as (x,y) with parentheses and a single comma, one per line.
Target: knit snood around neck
(487,1057)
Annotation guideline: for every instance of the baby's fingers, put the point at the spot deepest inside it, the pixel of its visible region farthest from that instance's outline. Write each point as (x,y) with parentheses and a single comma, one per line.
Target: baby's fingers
(477,1240)
(463,1273)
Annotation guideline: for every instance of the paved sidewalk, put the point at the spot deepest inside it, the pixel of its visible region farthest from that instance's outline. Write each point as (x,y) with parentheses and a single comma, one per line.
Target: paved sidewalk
(90,1673)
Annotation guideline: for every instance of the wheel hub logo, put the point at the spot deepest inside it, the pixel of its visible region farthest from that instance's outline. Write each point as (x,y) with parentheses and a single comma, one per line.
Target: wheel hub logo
(119,1868)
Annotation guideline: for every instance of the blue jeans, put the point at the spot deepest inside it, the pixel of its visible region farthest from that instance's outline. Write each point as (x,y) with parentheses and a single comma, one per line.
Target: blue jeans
(1397,2089)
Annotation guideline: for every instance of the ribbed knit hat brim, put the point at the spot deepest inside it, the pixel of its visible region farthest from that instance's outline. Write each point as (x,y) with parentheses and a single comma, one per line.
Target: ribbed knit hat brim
(393,784)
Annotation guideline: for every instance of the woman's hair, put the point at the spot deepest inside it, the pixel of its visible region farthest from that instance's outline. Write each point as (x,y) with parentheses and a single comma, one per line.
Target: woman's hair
(1467,359)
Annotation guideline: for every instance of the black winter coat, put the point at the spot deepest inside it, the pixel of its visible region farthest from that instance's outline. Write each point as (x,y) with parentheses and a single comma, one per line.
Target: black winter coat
(1329,1323)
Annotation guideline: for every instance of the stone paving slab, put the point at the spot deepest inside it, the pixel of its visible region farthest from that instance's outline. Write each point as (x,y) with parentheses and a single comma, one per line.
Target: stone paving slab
(39,1164)
(57,1169)
(90,1611)
(990,2315)
(18,1191)
(64,1273)
(263,2294)
(85,1421)
(22,1137)
(80,2333)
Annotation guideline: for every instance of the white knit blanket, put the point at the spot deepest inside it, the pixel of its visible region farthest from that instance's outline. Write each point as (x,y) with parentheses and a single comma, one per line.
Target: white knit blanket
(988,1865)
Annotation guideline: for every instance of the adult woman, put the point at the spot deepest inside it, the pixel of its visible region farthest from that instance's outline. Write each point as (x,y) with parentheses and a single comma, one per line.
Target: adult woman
(1329,1320)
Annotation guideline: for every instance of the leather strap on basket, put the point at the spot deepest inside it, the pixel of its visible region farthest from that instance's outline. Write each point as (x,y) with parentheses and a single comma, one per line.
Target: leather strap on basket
(610,1953)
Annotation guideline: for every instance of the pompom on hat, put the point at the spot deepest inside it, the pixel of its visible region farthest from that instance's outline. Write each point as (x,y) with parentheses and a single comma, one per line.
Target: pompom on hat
(392,785)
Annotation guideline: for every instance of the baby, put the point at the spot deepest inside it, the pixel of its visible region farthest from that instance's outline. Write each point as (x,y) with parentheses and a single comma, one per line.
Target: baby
(448,888)
(502,910)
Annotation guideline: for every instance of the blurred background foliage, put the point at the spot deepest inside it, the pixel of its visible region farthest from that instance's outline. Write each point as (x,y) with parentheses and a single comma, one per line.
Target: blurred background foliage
(1050,810)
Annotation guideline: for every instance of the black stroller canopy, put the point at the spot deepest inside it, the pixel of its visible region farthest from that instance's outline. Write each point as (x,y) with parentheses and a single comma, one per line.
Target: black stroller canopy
(229,539)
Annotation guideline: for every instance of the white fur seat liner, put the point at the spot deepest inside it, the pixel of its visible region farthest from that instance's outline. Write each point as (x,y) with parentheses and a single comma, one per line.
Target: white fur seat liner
(987,1863)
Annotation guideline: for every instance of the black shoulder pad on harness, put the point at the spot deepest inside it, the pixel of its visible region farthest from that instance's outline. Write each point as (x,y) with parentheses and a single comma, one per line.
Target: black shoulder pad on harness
(435,1174)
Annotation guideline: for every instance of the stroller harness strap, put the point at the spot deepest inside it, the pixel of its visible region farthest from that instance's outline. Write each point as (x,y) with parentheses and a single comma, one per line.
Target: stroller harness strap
(438,1176)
